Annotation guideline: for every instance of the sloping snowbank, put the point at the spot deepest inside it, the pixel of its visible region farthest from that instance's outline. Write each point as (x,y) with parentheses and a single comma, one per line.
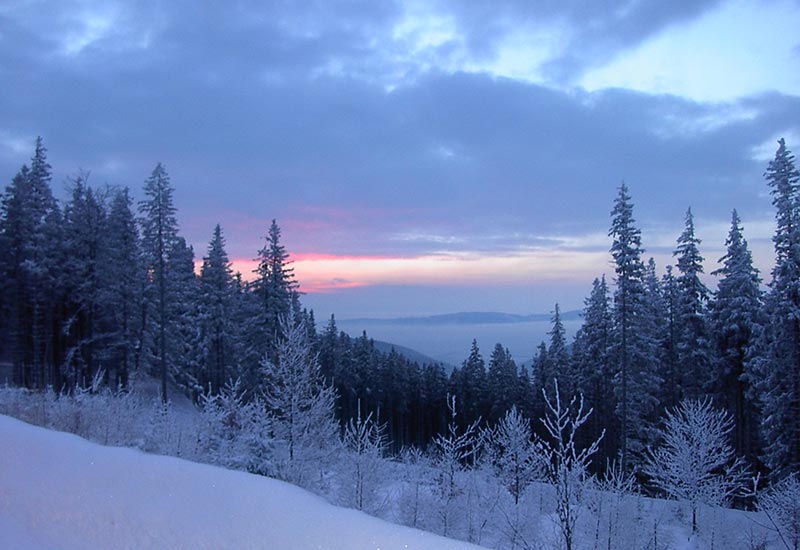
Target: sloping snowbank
(60,491)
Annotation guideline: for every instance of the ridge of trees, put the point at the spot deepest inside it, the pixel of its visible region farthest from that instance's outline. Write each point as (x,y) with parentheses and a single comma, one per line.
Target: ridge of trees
(89,287)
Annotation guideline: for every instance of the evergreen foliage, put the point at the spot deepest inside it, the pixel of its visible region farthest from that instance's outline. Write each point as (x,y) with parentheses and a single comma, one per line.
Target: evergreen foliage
(635,381)
(734,315)
(159,235)
(775,366)
(90,294)
(692,346)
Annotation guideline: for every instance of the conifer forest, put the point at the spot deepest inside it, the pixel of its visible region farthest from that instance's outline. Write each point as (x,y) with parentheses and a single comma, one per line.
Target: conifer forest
(670,389)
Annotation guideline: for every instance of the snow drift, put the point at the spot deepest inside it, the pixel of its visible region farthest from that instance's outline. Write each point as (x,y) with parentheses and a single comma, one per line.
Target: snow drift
(60,491)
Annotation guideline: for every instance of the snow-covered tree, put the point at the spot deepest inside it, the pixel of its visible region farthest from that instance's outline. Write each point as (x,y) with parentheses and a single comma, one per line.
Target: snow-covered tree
(184,342)
(695,462)
(363,463)
(159,233)
(275,289)
(468,386)
(693,354)
(781,504)
(635,381)
(670,292)
(775,367)
(734,315)
(123,287)
(557,354)
(593,366)
(302,406)
(502,382)
(85,243)
(30,225)
(452,451)
(236,431)
(567,465)
(217,309)
(417,476)
(517,461)
(541,379)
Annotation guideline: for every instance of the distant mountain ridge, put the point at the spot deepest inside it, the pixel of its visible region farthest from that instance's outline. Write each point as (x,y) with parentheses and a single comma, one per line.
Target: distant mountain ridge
(410,354)
(468,318)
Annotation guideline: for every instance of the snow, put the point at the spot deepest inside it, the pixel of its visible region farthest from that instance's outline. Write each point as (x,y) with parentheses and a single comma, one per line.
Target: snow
(60,491)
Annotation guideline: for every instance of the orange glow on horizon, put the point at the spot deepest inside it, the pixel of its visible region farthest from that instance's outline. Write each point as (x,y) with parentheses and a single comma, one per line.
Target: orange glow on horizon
(325,273)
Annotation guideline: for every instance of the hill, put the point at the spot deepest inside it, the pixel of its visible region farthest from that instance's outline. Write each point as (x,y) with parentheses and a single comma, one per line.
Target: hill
(467,318)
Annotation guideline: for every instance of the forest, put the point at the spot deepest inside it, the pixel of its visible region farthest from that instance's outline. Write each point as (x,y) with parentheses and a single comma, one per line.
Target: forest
(100,292)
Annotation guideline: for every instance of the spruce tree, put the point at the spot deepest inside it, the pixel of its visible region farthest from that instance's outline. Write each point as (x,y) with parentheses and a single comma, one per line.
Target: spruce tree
(470,390)
(654,313)
(159,235)
(557,355)
(217,303)
(776,363)
(635,382)
(670,395)
(276,291)
(31,232)
(541,379)
(593,366)
(693,357)
(501,383)
(123,287)
(85,243)
(734,317)
(184,340)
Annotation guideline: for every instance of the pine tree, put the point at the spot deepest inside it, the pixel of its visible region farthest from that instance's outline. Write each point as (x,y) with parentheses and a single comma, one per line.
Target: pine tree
(670,396)
(693,357)
(216,313)
(184,340)
(123,287)
(541,379)
(501,383)
(593,367)
(654,312)
(84,235)
(557,355)
(275,288)
(471,390)
(776,363)
(734,315)
(635,382)
(159,235)
(30,229)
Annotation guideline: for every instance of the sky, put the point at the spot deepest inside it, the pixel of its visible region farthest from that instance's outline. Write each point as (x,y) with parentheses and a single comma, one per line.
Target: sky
(420,157)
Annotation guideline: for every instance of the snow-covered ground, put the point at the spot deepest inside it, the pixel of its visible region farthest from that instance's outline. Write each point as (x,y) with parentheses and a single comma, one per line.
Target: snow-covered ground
(60,491)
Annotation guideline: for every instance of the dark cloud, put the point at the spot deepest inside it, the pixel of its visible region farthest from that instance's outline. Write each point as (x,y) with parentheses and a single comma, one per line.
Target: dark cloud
(595,30)
(253,121)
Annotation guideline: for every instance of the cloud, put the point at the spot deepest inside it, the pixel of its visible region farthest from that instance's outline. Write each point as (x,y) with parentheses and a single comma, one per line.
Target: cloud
(743,48)
(572,35)
(397,129)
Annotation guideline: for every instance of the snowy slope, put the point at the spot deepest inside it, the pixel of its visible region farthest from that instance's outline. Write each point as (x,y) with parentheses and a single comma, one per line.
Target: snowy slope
(60,491)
